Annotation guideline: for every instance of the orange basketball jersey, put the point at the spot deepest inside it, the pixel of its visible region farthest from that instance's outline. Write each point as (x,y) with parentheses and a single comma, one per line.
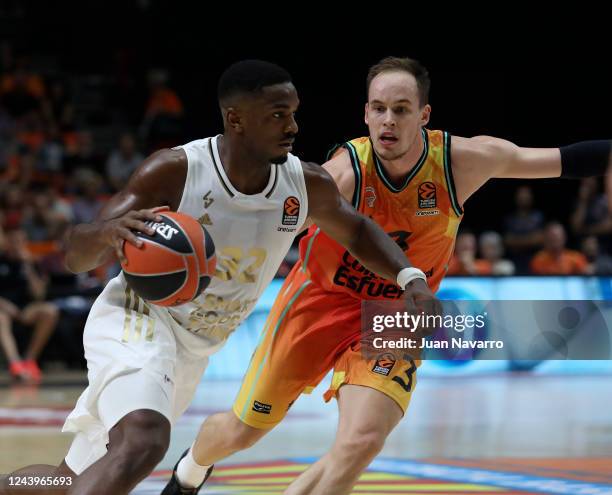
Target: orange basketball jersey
(421,214)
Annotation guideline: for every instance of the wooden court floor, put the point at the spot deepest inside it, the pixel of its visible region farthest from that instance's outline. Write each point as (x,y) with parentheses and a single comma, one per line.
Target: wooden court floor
(506,433)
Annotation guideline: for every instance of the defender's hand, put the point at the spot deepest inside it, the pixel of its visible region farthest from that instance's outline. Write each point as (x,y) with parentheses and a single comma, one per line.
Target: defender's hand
(420,299)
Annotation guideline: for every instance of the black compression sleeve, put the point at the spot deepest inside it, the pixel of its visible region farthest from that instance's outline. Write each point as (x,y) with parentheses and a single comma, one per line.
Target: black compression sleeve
(585,159)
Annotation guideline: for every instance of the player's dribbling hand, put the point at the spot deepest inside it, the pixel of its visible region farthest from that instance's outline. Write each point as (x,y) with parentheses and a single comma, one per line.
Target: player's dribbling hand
(119,230)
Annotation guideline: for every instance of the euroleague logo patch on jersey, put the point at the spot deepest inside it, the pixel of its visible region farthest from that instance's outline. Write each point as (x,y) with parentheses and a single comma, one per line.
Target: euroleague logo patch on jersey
(427,195)
(291,211)
(427,199)
(384,364)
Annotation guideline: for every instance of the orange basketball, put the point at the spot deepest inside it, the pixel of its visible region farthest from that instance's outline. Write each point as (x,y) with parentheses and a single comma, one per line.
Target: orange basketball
(174,265)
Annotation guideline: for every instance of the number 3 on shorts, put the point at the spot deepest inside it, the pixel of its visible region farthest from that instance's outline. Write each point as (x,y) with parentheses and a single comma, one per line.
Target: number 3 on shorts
(399,379)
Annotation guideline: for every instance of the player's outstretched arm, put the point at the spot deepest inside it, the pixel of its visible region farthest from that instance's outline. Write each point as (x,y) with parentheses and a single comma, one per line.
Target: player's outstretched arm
(159,180)
(363,238)
(478,159)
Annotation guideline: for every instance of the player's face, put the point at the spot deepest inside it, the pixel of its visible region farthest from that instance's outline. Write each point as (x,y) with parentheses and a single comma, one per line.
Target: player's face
(270,127)
(394,114)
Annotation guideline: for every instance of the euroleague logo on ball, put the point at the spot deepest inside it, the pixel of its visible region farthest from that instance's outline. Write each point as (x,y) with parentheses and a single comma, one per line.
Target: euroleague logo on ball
(291,211)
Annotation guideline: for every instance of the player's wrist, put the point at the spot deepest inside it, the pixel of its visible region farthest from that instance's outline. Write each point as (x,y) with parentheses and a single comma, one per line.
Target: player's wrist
(585,159)
(408,275)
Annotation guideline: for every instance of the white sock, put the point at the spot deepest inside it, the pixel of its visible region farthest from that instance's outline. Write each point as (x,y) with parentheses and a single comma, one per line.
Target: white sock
(189,473)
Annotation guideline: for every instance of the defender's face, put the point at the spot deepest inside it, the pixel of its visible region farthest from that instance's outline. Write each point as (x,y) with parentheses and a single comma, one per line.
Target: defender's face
(394,114)
(270,127)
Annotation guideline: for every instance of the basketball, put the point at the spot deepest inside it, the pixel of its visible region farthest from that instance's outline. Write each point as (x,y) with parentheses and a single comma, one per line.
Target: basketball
(174,265)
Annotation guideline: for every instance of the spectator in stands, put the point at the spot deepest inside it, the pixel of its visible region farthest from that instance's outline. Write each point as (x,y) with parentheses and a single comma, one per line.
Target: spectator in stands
(464,260)
(60,206)
(162,99)
(50,156)
(31,133)
(12,203)
(6,131)
(57,107)
(20,141)
(43,219)
(523,234)
(122,162)
(162,125)
(88,203)
(21,90)
(22,301)
(81,154)
(9,163)
(555,258)
(599,263)
(492,251)
(591,215)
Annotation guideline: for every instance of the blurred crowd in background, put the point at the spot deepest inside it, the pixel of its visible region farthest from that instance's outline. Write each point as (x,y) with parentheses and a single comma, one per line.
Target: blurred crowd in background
(68,143)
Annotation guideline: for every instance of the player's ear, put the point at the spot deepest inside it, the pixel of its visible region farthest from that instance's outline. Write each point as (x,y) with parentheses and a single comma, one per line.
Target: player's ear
(365,118)
(233,119)
(425,113)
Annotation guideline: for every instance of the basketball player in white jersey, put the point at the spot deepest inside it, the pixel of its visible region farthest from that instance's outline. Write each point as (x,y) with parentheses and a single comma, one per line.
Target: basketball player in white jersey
(253,196)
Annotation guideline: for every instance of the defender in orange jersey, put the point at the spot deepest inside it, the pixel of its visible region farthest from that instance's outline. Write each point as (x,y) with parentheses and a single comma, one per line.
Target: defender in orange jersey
(420,212)
(413,183)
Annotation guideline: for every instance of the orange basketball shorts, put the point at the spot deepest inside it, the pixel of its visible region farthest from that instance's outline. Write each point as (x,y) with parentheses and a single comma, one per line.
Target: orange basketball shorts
(308,332)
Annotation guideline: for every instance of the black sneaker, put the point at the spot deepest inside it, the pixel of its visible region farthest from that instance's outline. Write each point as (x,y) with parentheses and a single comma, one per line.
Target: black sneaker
(174,488)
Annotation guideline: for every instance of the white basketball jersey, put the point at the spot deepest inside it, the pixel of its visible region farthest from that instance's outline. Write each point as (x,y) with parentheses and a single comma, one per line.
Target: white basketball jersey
(252,234)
